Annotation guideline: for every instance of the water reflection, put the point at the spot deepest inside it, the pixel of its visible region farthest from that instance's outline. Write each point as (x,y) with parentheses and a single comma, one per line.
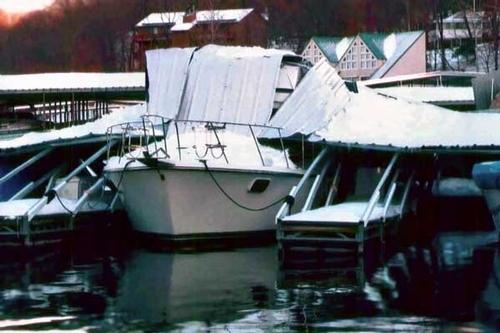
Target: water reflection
(450,285)
(208,287)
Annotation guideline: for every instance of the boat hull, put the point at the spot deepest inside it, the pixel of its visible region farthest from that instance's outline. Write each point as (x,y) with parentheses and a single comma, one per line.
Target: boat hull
(185,204)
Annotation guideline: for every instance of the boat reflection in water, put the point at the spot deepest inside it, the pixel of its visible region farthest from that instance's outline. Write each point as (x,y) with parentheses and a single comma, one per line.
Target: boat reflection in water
(452,285)
(206,288)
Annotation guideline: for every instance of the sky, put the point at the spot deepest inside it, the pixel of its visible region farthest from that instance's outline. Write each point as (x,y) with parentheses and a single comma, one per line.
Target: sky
(23,6)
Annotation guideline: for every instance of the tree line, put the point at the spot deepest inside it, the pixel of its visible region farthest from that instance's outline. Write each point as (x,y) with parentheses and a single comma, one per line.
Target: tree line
(94,35)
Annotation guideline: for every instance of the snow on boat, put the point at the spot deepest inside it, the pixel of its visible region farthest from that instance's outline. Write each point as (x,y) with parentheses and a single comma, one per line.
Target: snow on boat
(210,178)
(210,181)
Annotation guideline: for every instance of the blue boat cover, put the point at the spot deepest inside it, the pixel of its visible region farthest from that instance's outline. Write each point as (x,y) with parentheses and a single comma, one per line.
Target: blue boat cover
(487,175)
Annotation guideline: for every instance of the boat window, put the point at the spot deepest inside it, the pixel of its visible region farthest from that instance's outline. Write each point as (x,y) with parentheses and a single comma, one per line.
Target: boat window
(259,185)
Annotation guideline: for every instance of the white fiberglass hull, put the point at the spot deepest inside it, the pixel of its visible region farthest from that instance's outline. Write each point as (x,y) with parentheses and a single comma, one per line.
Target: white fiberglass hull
(187,204)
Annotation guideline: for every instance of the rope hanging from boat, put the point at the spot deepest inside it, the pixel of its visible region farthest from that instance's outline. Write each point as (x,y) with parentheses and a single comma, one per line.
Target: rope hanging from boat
(286,198)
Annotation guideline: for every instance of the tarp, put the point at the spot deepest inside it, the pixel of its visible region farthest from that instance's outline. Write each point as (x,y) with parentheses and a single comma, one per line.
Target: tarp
(167,76)
(322,106)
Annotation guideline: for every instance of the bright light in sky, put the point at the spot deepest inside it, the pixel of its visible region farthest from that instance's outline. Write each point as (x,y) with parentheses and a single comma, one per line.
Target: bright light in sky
(23,6)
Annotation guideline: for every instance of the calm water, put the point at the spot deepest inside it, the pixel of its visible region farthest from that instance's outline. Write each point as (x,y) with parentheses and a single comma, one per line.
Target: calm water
(453,286)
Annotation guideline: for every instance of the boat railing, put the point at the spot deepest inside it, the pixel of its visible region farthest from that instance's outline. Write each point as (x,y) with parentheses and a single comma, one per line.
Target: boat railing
(152,134)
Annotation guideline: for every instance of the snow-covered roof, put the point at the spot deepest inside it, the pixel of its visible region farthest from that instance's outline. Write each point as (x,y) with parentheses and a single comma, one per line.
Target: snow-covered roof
(175,19)
(231,84)
(90,129)
(52,82)
(434,95)
(332,47)
(415,78)
(395,46)
(458,17)
(322,105)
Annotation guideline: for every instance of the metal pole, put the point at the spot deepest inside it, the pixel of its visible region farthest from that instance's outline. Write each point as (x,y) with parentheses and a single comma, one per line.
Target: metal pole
(376,194)
(26,164)
(86,195)
(178,140)
(50,194)
(32,185)
(256,144)
(283,148)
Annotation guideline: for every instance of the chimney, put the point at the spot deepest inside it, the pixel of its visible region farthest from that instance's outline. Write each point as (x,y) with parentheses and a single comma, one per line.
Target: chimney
(190,15)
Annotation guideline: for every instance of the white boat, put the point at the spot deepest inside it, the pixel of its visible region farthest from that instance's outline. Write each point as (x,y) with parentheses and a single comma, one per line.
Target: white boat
(217,188)
(204,181)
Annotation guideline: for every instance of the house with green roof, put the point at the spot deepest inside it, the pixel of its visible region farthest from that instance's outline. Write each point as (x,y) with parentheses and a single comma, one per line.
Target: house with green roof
(371,55)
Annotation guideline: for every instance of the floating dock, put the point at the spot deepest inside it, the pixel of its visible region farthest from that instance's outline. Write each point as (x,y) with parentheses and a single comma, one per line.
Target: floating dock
(69,197)
(335,222)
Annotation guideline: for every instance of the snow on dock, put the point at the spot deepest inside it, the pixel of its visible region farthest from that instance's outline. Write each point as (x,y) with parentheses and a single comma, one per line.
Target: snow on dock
(15,208)
(347,212)
(88,130)
(435,95)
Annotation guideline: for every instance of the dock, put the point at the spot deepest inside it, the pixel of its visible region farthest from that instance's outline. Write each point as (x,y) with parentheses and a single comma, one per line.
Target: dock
(45,206)
(339,219)
(55,100)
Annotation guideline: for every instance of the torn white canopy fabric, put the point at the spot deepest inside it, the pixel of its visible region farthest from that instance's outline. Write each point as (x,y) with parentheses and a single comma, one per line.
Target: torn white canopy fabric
(167,75)
(232,84)
(321,105)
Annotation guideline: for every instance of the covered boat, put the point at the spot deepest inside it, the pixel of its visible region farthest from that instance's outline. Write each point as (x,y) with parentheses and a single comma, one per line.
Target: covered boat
(208,177)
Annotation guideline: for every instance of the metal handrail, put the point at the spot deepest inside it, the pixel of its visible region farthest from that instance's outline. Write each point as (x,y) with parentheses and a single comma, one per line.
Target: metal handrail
(145,130)
(376,193)
(286,207)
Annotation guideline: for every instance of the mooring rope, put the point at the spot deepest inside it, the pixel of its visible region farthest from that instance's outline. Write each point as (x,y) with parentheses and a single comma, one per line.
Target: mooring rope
(286,198)
(62,204)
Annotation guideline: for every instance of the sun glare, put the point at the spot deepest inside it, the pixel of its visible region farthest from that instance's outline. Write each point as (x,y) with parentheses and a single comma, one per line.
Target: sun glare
(23,6)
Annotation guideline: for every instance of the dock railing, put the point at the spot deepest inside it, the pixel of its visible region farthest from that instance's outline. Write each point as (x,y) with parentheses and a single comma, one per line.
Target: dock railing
(321,161)
(389,199)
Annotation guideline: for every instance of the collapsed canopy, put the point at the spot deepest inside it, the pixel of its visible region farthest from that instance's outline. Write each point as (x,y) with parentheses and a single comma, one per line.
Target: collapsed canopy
(322,106)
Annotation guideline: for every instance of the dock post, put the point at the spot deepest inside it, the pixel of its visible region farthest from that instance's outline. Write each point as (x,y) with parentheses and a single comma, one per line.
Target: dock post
(25,231)
(360,238)
(87,115)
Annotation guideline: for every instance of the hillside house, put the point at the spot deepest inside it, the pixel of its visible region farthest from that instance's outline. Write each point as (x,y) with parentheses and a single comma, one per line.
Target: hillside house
(459,26)
(371,55)
(191,28)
